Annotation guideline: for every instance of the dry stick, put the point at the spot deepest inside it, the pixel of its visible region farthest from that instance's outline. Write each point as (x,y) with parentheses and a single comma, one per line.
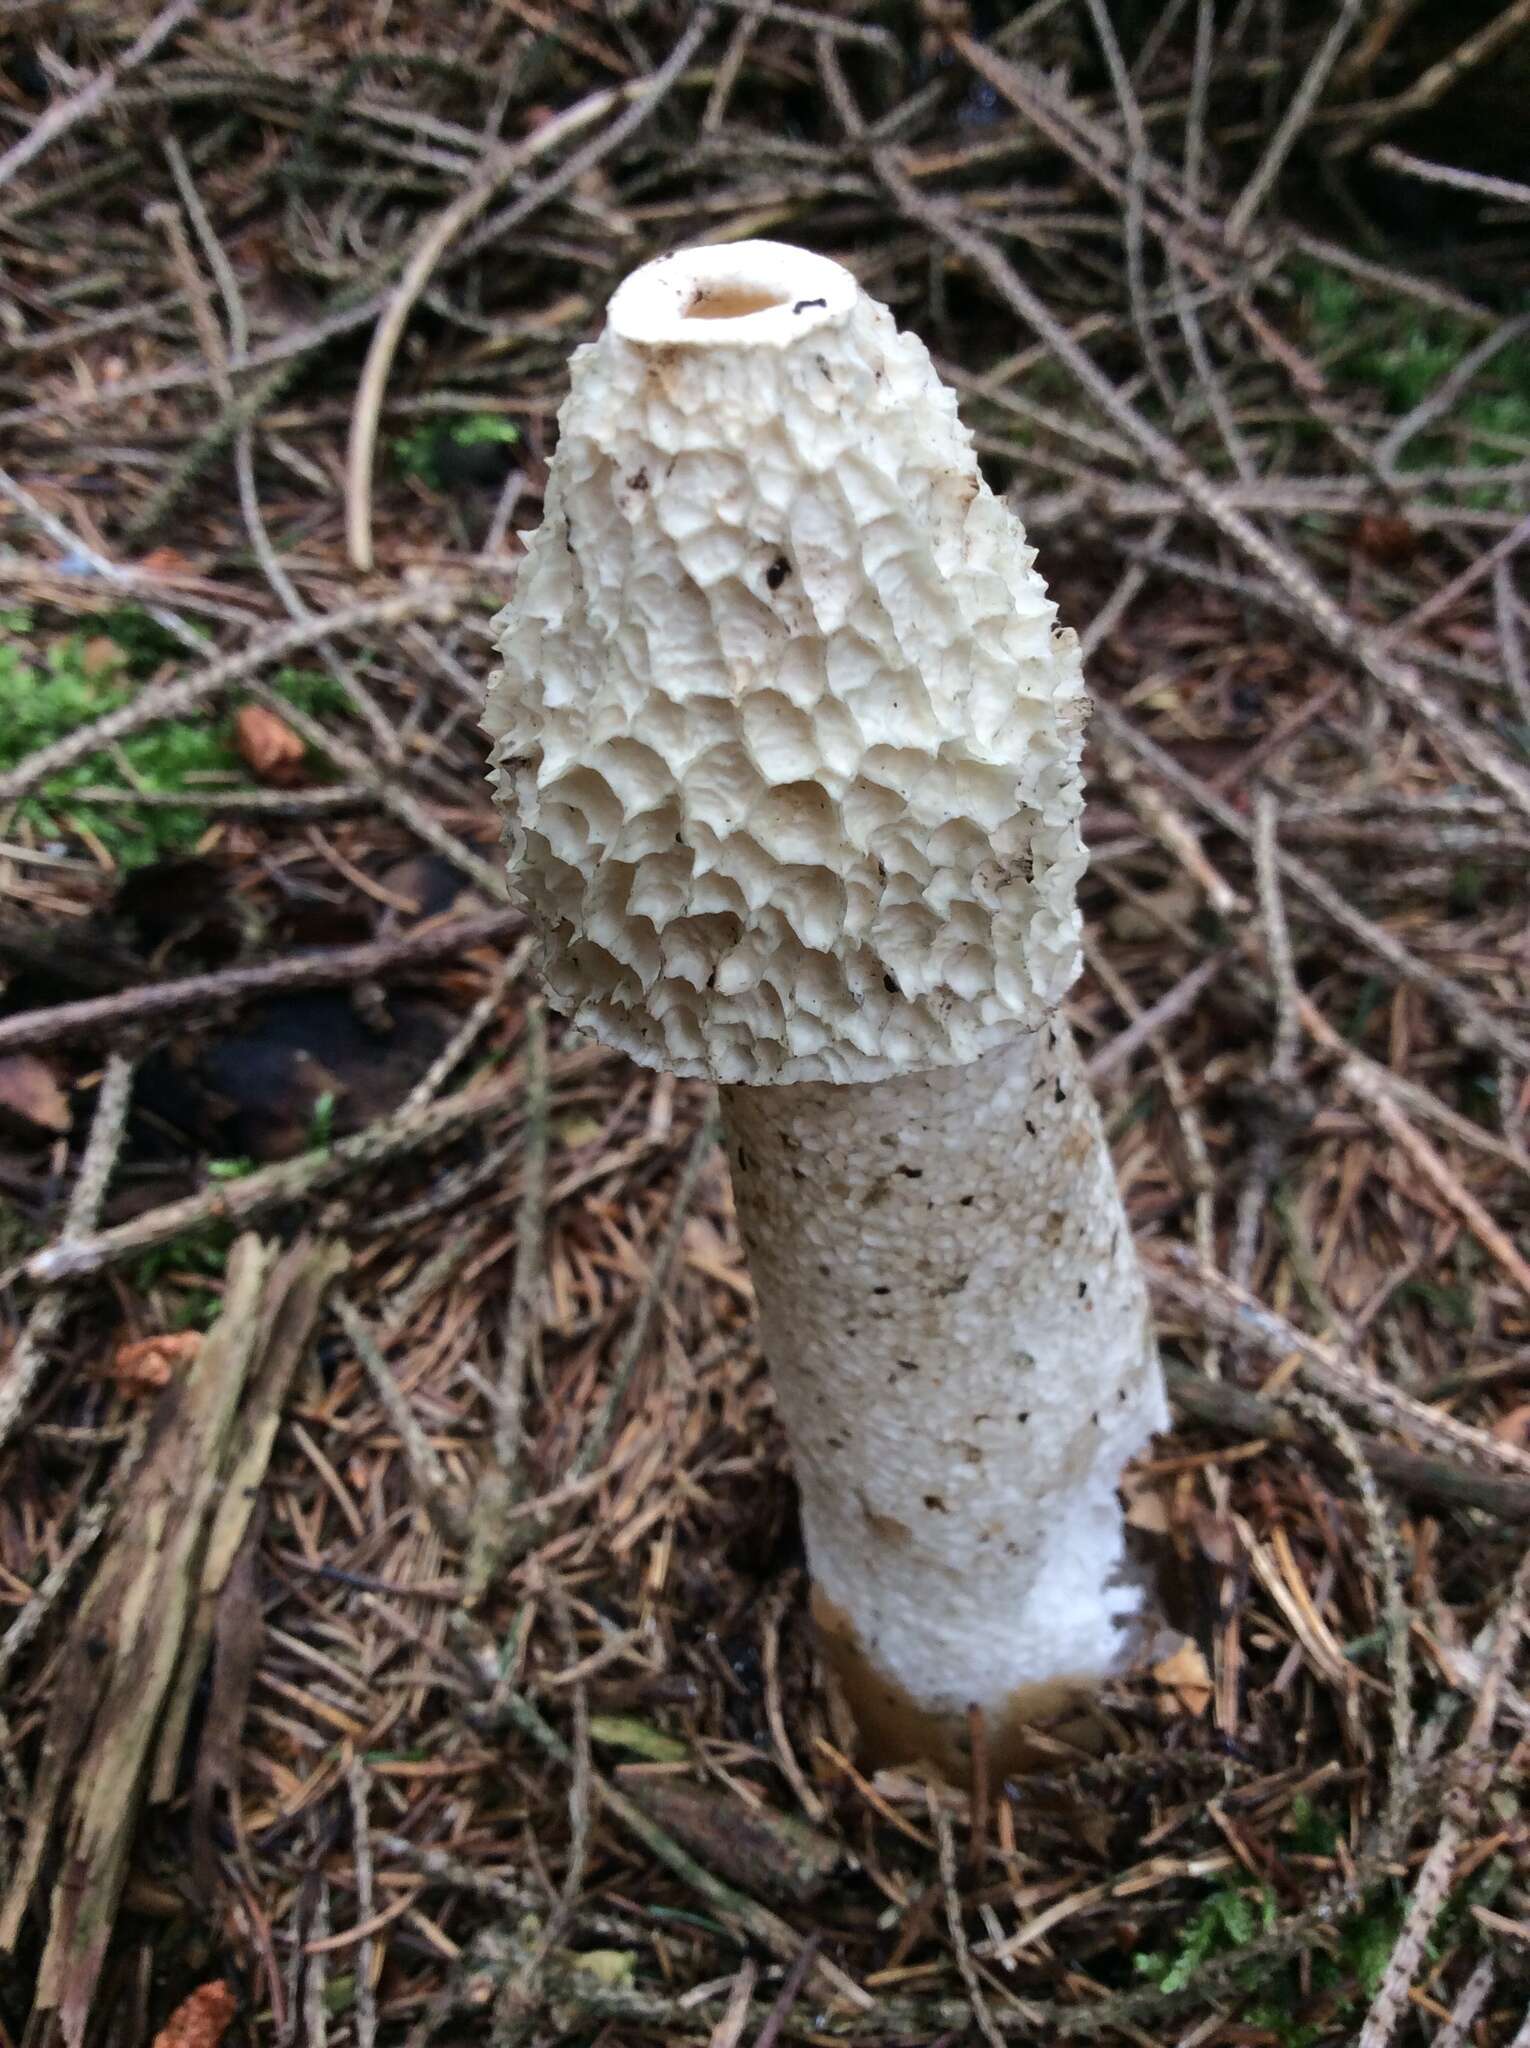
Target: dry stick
(92,1521)
(1135,132)
(230,801)
(244,442)
(592,1448)
(581,1776)
(426,1470)
(1290,574)
(489,1537)
(1265,1157)
(1175,1272)
(358,1785)
(785,1998)
(325,967)
(174,699)
(1485,564)
(357,764)
(194,290)
(1478,1026)
(1359,1080)
(1439,401)
(1377,1079)
(945,1838)
(30,1355)
(1457,2031)
(1439,1483)
(1506,620)
(65,538)
(1168,1009)
(1474,1763)
(1298,113)
(756,1920)
(212,249)
(88,102)
(1432,85)
(822,24)
(501,166)
(1410,166)
(291,1180)
(1164,823)
(1277,943)
(462,1040)
(726,76)
(1397,1622)
(376,720)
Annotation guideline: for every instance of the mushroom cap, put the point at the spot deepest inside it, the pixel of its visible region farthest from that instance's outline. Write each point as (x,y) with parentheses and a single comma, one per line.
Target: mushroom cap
(786,733)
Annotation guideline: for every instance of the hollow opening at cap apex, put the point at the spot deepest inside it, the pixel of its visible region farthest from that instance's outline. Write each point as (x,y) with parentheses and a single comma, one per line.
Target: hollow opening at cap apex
(731,302)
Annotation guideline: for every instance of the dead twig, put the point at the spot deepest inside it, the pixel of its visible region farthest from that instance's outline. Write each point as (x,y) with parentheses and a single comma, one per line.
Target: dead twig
(325,967)
(1229,1308)
(1473,1768)
(500,167)
(238,1202)
(108,1126)
(87,103)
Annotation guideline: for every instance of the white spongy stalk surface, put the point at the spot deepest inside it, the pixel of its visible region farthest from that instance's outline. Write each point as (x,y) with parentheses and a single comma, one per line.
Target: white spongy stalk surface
(786,730)
(961,1354)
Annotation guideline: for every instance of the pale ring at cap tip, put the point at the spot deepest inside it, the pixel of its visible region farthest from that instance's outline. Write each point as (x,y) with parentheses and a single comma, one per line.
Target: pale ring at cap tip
(735,295)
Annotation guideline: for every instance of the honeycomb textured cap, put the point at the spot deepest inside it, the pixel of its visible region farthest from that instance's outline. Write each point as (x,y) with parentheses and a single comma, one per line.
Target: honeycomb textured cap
(786,733)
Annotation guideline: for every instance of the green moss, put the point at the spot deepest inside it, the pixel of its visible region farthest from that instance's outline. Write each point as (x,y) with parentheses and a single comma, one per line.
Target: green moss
(1395,353)
(1228,1921)
(205,1251)
(441,451)
(50,688)
(1337,1986)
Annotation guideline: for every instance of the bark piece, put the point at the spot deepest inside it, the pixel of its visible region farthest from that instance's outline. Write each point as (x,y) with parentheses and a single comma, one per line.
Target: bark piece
(768,1852)
(138,1641)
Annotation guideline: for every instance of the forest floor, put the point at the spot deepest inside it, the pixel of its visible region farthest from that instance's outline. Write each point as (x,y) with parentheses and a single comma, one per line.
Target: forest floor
(403,1632)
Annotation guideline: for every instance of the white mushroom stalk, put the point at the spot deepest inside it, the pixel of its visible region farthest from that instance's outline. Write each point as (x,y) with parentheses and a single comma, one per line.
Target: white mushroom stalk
(789,742)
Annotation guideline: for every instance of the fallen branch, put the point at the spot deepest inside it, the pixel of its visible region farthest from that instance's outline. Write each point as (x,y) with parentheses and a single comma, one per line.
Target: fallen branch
(92,98)
(325,967)
(240,1202)
(1437,1482)
(1174,1272)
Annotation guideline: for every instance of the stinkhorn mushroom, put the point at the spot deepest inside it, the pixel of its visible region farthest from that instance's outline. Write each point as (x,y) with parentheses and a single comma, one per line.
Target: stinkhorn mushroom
(788,738)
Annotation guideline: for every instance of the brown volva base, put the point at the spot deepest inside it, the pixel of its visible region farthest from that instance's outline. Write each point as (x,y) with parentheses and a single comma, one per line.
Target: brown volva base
(894,1729)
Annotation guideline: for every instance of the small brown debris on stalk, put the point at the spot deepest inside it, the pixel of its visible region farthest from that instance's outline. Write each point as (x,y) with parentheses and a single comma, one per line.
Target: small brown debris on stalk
(30,1095)
(200,2020)
(271,749)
